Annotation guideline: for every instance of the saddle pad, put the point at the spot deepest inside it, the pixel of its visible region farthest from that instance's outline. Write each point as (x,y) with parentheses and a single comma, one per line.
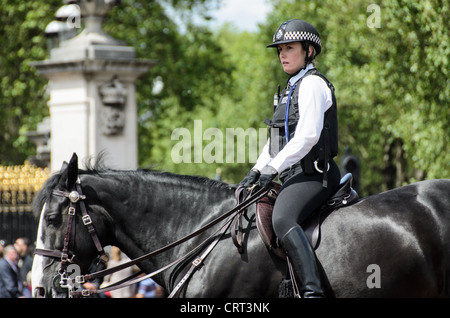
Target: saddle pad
(264,211)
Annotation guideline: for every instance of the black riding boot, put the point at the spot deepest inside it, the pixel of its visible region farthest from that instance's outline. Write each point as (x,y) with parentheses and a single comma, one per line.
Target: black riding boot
(303,261)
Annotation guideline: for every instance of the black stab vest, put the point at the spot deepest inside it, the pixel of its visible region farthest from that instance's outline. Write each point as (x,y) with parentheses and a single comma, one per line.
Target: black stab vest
(327,146)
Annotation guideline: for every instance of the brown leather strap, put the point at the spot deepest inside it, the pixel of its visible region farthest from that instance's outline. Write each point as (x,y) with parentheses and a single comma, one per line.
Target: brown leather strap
(218,234)
(48,253)
(67,237)
(236,229)
(199,260)
(241,195)
(236,232)
(90,227)
(88,223)
(255,197)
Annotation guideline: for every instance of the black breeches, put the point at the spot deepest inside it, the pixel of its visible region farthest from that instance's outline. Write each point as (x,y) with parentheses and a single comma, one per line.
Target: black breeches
(299,196)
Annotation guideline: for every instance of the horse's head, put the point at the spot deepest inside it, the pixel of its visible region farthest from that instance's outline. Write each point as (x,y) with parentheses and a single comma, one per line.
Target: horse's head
(66,247)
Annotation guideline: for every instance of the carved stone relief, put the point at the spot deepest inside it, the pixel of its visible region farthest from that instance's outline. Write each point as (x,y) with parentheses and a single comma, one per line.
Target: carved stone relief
(113,96)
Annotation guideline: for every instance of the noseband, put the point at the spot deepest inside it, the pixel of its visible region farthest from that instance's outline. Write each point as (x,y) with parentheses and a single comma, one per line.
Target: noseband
(75,197)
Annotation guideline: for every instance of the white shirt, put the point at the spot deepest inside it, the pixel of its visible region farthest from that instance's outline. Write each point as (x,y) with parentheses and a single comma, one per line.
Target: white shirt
(313,101)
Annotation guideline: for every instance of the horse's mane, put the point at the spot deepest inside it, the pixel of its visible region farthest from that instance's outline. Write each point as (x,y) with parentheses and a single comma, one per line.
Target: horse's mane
(45,192)
(96,167)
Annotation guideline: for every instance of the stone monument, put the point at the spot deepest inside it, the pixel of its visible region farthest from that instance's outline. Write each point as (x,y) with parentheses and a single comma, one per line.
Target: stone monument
(92,92)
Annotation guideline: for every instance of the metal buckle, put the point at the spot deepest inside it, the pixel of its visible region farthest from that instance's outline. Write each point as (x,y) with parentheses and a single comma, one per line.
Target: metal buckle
(65,258)
(86,220)
(316,166)
(80,279)
(71,210)
(272,194)
(197,261)
(344,201)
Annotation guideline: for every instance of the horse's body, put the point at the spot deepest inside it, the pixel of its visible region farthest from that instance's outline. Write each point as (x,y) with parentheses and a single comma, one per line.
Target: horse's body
(399,240)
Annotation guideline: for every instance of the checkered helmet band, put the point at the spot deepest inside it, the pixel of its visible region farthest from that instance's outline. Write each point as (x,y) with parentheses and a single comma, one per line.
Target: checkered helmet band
(299,36)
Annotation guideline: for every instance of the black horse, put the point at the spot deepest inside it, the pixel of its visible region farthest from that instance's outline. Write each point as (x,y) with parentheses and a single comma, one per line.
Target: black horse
(394,244)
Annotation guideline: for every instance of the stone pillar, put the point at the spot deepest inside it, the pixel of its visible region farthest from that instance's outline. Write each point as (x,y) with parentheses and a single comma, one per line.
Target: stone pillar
(92,93)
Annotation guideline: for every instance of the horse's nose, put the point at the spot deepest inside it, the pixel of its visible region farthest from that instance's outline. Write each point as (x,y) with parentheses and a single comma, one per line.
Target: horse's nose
(39,292)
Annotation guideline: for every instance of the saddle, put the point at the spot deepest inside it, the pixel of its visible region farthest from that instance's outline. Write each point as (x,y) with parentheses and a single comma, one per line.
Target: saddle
(344,196)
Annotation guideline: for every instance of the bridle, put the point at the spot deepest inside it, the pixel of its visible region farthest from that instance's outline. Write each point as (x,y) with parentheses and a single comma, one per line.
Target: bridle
(75,197)
(66,258)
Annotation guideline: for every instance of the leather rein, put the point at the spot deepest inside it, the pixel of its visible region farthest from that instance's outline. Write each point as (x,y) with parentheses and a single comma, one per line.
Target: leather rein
(77,198)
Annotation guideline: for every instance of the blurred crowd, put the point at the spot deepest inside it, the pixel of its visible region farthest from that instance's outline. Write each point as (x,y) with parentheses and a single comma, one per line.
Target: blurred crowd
(16,262)
(15,269)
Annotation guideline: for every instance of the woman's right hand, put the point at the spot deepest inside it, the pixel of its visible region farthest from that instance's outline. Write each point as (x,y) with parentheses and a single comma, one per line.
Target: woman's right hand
(251,178)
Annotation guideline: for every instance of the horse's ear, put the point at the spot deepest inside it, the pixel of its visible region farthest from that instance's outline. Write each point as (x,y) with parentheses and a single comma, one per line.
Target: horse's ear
(72,172)
(69,173)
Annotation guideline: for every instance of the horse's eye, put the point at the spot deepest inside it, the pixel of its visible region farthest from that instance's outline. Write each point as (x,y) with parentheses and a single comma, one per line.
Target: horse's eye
(53,219)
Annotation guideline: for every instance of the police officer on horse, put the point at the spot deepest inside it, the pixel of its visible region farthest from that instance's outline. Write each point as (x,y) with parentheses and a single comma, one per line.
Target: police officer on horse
(302,144)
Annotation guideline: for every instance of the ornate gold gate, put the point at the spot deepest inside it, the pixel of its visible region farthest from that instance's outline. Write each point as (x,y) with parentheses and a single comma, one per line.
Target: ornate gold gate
(18,186)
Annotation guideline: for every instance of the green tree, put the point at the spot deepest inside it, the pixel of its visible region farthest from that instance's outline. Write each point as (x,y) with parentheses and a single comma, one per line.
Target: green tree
(22,93)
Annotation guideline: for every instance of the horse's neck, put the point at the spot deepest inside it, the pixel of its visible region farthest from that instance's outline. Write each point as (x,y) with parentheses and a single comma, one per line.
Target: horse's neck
(149,213)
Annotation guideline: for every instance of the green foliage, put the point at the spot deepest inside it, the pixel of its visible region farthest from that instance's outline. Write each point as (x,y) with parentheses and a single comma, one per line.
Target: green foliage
(420,87)
(22,94)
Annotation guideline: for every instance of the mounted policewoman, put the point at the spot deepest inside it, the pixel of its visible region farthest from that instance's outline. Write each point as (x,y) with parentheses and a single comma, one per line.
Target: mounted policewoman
(300,150)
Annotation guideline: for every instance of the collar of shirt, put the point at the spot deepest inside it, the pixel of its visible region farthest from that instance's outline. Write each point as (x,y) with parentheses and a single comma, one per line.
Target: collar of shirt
(295,78)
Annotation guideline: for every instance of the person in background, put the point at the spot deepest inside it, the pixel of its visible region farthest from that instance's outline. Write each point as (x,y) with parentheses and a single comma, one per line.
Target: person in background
(149,289)
(25,263)
(10,284)
(115,260)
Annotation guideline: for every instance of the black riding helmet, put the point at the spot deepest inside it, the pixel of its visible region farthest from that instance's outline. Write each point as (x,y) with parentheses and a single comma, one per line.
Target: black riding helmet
(297,31)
